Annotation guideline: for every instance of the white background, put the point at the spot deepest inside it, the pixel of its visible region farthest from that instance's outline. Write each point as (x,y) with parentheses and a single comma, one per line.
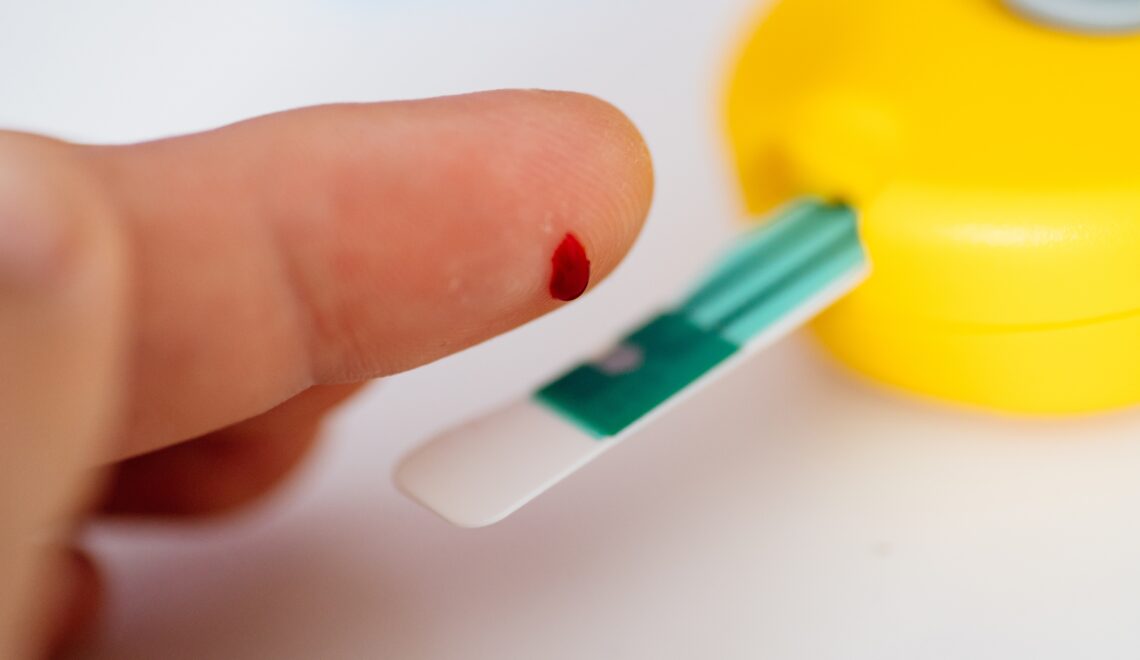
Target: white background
(789,512)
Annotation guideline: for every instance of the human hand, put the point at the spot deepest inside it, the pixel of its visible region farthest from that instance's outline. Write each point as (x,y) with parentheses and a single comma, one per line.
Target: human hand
(177,316)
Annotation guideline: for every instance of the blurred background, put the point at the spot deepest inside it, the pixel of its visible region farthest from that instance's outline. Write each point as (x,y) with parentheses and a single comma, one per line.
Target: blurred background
(790,511)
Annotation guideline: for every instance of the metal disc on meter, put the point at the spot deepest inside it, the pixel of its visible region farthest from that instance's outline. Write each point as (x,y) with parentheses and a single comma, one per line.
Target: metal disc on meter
(1086,15)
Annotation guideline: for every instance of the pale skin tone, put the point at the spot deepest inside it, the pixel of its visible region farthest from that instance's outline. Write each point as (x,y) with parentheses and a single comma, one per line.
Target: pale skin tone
(176,317)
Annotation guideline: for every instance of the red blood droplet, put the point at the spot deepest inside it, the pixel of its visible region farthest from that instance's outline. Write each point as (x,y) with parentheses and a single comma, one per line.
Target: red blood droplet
(571,269)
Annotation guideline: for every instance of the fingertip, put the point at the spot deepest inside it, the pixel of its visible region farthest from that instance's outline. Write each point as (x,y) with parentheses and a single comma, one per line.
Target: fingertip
(55,219)
(478,193)
(605,157)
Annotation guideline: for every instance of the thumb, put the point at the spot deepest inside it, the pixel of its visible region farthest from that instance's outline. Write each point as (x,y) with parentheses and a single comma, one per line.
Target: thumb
(61,331)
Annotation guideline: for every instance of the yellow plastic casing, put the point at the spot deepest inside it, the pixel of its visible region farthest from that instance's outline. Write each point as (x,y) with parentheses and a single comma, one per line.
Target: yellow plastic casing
(995,163)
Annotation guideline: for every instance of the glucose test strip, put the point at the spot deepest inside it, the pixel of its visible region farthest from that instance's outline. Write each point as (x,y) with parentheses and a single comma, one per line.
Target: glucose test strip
(774,279)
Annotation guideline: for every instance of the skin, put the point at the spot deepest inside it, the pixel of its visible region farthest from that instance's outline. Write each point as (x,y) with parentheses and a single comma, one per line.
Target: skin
(176,317)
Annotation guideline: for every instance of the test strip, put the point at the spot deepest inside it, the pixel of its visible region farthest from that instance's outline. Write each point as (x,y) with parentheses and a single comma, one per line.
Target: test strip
(771,281)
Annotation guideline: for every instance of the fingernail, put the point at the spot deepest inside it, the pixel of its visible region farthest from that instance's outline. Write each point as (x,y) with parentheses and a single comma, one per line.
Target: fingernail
(32,240)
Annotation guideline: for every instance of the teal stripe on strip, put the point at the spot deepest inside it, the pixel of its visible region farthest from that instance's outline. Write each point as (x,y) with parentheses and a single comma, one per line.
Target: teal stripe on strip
(775,251)
(839,259)
(650,366)
(771,237)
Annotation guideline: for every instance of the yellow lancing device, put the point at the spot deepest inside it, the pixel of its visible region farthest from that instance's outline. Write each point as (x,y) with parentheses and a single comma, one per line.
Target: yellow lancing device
(992,150)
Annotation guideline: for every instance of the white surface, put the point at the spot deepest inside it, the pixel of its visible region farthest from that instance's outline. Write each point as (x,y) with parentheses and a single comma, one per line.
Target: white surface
(787,512)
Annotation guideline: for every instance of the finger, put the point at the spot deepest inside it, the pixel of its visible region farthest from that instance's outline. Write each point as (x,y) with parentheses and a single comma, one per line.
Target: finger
(226,469)
(62,309)
(337,243)
(76,611)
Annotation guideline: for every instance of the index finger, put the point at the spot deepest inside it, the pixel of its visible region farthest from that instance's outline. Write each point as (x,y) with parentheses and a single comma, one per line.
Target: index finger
(339,243)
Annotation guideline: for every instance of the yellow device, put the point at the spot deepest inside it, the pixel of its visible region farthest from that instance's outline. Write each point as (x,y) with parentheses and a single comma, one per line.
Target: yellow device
(993,152)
